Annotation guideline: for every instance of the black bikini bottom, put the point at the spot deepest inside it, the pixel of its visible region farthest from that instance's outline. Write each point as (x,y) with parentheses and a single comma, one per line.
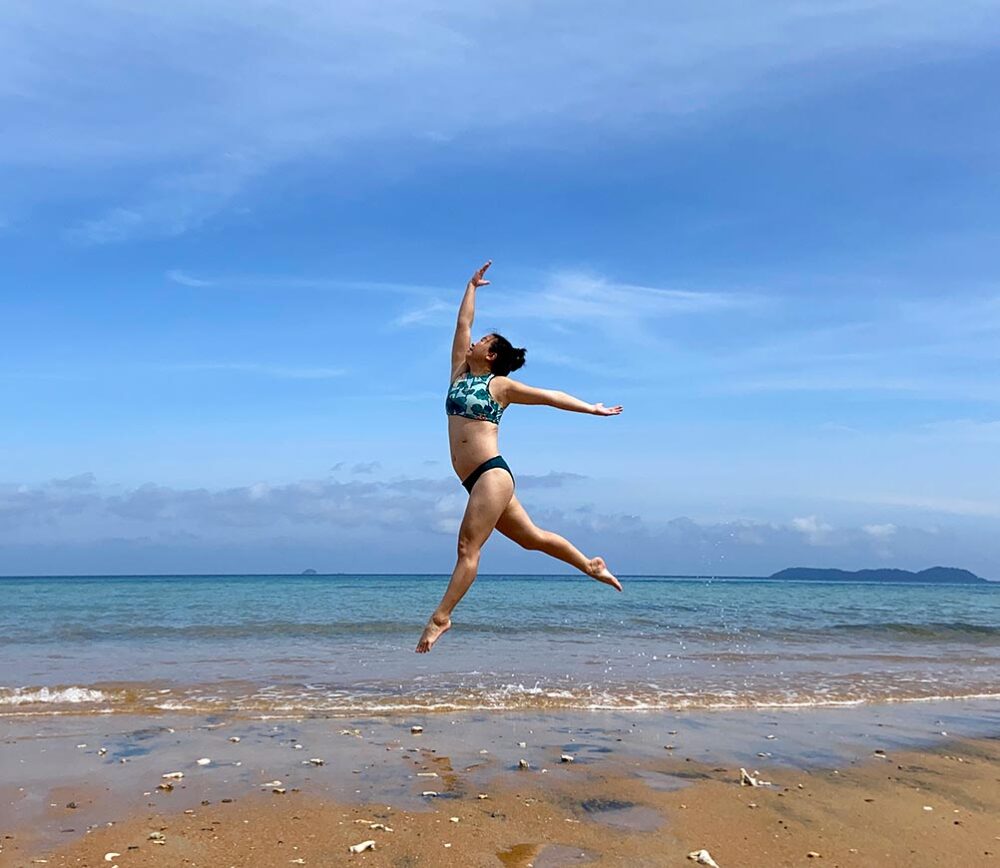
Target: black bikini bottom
(473,477)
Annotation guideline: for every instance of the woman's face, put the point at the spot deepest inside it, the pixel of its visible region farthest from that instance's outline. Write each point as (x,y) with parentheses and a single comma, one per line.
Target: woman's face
(480,353)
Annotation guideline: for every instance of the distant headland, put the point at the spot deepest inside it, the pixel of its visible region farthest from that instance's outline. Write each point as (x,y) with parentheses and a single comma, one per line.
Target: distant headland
(934,575)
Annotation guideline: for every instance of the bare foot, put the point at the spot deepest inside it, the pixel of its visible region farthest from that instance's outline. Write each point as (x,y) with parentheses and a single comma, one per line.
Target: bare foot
(599,570)
(435,629)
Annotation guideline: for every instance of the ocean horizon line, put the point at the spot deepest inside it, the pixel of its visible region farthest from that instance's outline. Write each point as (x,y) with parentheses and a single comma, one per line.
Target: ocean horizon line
(501,575)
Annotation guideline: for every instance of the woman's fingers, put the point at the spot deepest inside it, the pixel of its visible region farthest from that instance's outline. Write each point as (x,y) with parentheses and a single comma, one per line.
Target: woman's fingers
(477,278)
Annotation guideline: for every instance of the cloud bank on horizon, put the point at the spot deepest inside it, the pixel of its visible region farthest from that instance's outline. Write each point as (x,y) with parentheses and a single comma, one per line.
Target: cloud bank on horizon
(235,236)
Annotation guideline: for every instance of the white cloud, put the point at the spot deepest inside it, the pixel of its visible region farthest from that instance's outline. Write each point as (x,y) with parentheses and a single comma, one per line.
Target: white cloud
(815,530)
(185,279)
(564,299)
(142,90)
(933,503)
(281,372)
(880,531)
(41,521)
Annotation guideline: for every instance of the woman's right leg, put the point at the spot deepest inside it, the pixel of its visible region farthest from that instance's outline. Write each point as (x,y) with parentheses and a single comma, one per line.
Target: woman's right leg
(516,524)
(490,496)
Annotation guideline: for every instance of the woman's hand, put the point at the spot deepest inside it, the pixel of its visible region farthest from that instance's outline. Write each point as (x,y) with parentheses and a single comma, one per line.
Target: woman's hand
(477,279)
(601,410)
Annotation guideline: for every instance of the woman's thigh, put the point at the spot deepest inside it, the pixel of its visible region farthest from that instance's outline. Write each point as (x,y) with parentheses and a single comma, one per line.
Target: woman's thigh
(487,502)
(516,524)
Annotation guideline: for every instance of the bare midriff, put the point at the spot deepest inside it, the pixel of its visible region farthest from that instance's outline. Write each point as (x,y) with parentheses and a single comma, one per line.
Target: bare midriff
(472,441)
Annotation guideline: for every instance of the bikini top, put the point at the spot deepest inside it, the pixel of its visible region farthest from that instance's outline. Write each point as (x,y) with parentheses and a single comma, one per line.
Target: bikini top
(469,396)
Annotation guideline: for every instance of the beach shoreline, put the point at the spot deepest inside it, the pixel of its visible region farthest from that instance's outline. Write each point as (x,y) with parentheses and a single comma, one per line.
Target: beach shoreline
(639,788)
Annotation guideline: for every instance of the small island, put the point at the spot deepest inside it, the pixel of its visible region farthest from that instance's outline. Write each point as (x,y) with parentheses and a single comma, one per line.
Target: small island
(934,575)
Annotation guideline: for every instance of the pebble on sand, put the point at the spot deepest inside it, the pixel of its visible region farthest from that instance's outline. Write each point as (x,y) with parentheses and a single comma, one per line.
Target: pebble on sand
(416,730)
(523,764)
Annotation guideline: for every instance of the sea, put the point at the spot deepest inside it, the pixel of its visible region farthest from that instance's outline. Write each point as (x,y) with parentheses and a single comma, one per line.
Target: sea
(279,646)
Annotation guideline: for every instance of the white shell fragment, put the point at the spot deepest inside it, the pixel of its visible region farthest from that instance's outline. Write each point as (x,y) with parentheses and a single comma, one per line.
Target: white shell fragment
(523,764)
(454,819)
(110,857)
(364,845)
(416,730)
(234,738)
(157,837)
(272,784)
(427,774)
(316,761)
(429,793)
(748,780)
(204,761)
(101,751)
(703,857)
(173,776)
(566,758)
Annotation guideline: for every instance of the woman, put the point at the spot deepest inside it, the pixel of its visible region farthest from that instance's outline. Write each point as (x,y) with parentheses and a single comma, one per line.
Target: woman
(480,392)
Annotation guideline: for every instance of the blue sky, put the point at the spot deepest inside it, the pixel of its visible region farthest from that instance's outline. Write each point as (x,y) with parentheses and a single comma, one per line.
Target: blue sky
(234,236)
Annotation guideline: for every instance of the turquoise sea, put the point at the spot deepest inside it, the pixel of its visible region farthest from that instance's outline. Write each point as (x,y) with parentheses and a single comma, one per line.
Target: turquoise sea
(293,646)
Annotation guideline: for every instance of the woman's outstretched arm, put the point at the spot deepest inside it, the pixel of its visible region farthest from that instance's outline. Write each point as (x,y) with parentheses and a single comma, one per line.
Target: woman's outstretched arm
(512,392)
(466,314)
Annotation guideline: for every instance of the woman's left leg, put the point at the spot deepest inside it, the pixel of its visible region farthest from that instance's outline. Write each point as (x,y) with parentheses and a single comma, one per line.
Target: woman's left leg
(516,524)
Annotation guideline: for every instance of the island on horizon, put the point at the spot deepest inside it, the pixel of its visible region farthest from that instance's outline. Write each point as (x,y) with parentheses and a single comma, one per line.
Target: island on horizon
(933,575)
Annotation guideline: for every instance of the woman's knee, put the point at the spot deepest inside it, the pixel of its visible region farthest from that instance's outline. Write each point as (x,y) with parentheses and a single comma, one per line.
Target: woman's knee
(468,548)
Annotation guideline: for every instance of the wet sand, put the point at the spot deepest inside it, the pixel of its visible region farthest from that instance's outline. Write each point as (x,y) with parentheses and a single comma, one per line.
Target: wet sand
(853,786)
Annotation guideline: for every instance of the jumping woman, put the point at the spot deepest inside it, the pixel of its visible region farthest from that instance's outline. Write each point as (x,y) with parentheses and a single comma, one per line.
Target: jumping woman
(480,392)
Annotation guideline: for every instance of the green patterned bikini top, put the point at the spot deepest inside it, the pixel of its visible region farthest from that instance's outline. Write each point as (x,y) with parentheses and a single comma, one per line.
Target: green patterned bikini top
(469,396)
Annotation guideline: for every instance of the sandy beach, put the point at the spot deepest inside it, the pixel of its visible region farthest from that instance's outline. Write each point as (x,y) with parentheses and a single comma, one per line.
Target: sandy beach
(917,786)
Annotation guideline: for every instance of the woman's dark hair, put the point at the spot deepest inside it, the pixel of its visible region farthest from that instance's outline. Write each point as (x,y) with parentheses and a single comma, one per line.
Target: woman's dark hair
(509,358)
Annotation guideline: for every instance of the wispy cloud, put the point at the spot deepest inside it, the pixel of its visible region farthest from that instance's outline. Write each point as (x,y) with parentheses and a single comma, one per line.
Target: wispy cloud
(282,372)
(936,504)
(184,279)
(573,298)
(160,87)
(431,312)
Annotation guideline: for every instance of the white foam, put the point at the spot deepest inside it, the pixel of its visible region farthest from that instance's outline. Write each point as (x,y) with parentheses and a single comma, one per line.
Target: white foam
(25,695)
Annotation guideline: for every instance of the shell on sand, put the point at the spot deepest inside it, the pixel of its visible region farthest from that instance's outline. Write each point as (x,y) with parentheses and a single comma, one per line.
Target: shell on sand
(703,857)
(364,845)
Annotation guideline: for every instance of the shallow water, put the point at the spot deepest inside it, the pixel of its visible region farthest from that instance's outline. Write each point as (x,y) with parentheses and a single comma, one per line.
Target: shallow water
(299,645)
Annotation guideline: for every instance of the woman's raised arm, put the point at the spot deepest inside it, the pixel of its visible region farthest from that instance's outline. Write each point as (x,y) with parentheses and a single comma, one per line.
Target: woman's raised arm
(466,314)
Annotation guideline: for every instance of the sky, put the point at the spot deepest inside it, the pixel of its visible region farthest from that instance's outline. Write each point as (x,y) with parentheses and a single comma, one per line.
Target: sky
(234,236)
